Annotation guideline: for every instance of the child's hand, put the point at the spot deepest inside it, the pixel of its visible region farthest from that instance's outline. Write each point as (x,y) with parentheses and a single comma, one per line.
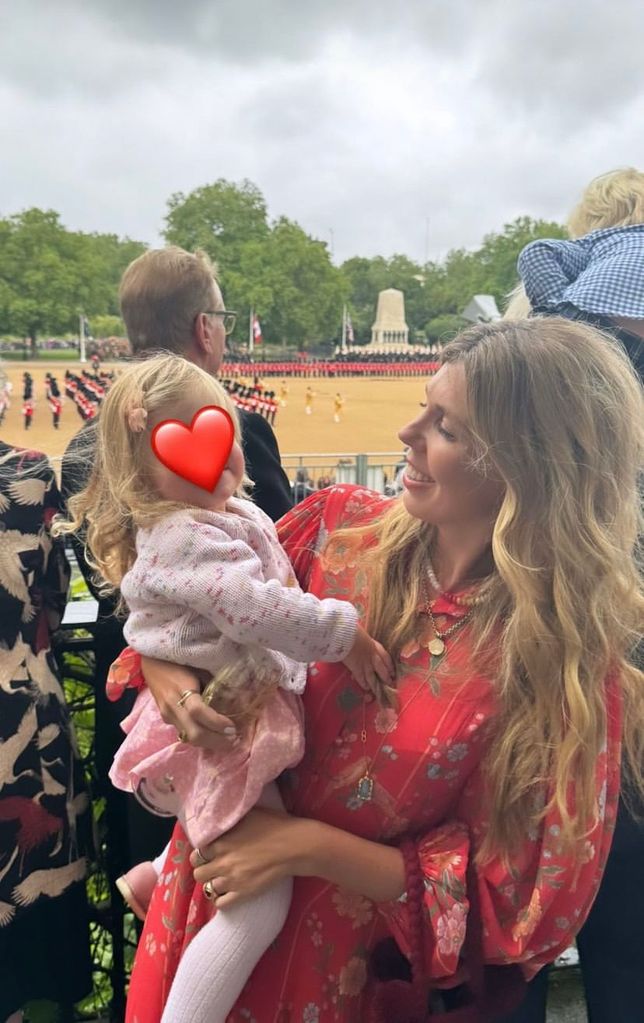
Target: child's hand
(370,664)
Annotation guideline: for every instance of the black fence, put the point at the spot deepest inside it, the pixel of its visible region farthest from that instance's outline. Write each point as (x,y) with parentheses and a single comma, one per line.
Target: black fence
(113,932)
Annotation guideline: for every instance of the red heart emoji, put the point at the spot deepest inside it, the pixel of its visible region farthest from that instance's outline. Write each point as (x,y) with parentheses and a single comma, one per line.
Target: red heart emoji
(198,452)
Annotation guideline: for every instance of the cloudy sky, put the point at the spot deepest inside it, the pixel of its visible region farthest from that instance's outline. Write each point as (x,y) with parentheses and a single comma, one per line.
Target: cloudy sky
(411,127)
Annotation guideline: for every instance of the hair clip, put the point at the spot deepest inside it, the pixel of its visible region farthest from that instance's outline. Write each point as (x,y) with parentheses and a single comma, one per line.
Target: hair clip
(137,419)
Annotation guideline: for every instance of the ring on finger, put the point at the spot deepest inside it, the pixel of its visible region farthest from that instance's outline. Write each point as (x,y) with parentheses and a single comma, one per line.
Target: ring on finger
(210,891)
(200,856)
(186,694)
(182,735)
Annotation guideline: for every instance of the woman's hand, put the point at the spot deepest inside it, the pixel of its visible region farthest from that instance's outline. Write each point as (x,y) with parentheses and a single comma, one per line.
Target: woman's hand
(266,846)
(198,724)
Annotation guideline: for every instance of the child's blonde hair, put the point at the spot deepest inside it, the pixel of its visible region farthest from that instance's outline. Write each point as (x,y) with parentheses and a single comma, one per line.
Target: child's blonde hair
(615,199)
(120,496)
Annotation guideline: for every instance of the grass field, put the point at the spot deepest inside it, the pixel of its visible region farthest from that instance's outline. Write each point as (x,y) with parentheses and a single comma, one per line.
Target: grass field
(45,356)
(374,411)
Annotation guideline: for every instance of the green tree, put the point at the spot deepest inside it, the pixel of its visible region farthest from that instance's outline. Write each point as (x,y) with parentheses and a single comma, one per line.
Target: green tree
(220,219)
(491,269)
(106,325)
(275,269)
(499,253)
(49,275)
(306,290)
(444,327)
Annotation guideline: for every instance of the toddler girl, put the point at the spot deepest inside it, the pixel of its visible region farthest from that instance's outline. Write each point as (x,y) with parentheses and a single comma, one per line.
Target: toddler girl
(207,585)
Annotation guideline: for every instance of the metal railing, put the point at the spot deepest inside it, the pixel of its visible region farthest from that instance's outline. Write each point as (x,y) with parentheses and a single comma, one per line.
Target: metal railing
(376,470)
(373,469)
(77,646)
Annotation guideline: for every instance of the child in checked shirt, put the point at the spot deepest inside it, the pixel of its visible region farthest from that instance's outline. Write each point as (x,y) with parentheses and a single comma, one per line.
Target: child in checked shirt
(206,585)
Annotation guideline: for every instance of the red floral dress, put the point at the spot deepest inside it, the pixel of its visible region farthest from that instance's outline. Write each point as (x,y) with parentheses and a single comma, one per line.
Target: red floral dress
(425,759)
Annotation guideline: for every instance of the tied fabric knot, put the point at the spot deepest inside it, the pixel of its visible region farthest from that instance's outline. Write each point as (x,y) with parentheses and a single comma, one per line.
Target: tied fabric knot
(137,419)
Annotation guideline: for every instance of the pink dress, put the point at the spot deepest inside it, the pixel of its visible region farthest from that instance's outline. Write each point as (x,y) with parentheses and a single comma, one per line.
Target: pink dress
(207,590)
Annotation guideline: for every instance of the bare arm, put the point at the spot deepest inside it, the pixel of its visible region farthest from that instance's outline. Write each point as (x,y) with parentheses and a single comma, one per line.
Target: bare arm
(369,868)
(266,846)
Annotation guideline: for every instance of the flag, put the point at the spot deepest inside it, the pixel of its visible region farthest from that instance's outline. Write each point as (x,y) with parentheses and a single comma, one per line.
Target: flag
(257,331)
(349,330)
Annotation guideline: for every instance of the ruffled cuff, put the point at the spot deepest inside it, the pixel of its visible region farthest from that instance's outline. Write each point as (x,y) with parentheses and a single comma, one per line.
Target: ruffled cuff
(125,673)
(443,856)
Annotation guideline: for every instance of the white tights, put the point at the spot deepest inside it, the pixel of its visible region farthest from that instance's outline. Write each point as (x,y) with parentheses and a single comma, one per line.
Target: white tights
(221,957)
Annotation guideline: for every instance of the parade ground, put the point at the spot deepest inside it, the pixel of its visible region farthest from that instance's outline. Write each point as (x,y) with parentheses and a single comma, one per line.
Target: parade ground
(374,409)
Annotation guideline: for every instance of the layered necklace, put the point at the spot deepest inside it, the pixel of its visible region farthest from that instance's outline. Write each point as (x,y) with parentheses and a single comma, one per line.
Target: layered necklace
(436,647)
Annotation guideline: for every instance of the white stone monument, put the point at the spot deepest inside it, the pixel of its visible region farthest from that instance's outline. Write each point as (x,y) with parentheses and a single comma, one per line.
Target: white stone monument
(390,329)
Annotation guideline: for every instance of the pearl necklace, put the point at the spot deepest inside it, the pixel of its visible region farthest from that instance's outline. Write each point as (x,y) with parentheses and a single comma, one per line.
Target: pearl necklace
(471,601)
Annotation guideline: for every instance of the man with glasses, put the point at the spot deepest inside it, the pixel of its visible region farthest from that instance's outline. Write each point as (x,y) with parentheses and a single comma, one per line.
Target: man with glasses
(170,300)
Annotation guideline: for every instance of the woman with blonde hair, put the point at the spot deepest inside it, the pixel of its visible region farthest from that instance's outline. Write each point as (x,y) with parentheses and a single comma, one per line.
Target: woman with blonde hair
(206,584)
(455,829)
(598,278)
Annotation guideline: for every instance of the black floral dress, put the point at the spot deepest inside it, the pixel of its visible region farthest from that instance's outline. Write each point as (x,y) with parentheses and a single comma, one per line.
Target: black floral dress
(44,806)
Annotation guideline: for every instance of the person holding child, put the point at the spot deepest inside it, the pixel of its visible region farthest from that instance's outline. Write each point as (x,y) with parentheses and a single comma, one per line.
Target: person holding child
(457,828)
(206,584)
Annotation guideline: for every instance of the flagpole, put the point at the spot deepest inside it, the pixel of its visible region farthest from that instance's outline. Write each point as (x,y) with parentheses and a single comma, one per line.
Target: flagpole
(83,356)
(344,329)
(251,335)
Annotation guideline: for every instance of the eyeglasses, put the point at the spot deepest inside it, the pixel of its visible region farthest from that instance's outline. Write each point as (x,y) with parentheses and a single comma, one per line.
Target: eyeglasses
(228,318)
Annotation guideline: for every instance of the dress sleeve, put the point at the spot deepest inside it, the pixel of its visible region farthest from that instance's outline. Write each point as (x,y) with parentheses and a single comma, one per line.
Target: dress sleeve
(301,533)
(222,580)
(530,909)
(304,530)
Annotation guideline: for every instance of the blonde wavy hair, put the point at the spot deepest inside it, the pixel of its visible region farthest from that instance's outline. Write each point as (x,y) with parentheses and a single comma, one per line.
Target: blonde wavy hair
(557,414)
(120,496)
(614,199)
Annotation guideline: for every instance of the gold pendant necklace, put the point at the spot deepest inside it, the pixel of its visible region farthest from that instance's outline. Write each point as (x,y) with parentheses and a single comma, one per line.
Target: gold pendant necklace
(364,790)
(436,645)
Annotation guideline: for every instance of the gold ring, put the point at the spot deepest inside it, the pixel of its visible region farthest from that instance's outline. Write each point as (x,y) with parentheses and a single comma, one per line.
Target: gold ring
(210,891)
(202,859)
(186,694)
(182,735)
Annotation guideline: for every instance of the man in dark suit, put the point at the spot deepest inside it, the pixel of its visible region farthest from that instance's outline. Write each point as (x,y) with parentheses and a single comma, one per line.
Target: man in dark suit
(170,300)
